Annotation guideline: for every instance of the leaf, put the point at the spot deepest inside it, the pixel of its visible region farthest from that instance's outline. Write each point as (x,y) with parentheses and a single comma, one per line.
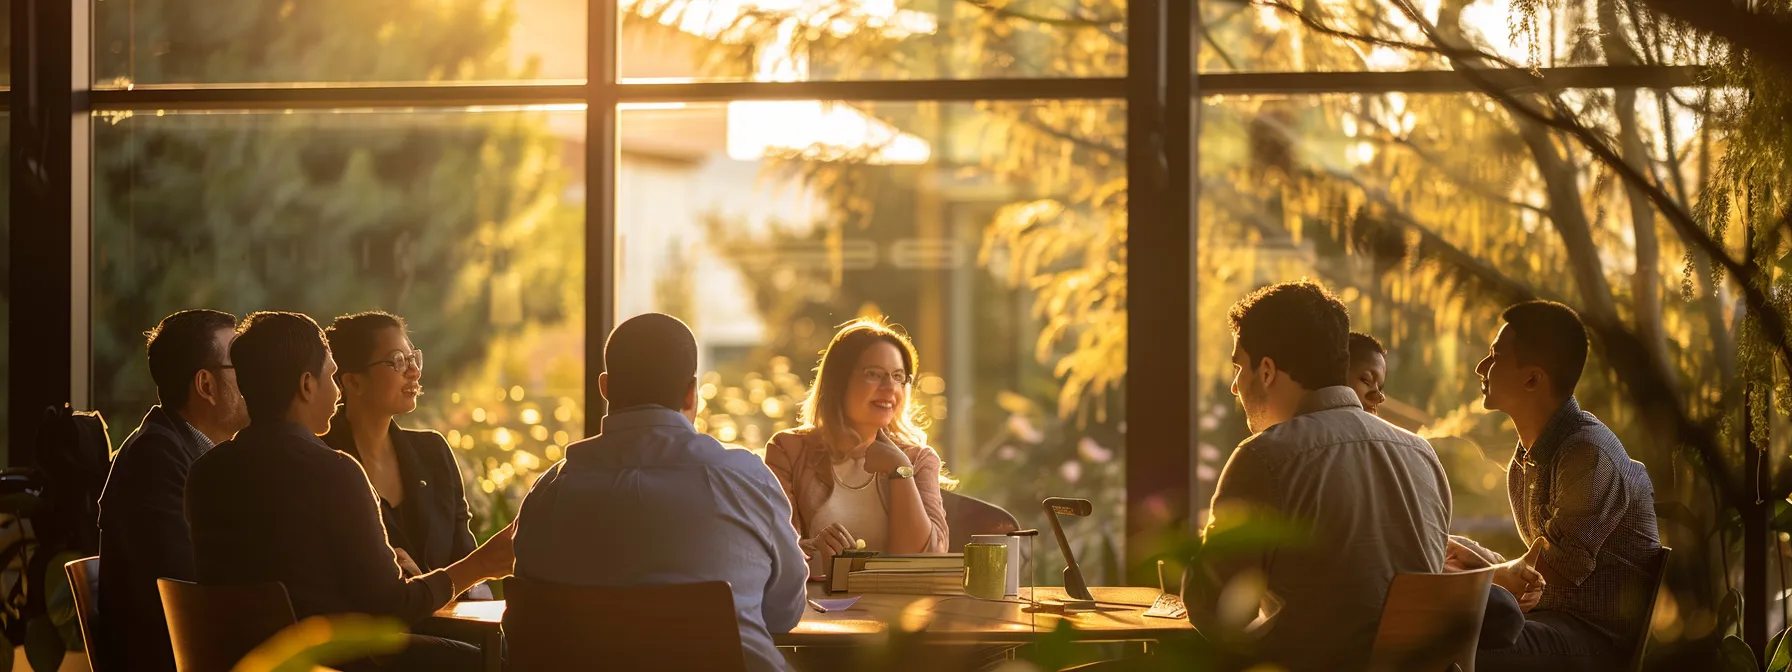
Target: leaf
(1736,656)
(1729,612)
(1782,657)
(320,641)
(44,647)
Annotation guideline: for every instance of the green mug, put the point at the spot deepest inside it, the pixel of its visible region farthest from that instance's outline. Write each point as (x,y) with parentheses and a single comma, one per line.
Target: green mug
(986,571)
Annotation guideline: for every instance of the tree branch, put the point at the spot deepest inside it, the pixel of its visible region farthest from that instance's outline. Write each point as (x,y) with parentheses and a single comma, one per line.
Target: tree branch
(1763,34)
(1064,22)
(1624,350)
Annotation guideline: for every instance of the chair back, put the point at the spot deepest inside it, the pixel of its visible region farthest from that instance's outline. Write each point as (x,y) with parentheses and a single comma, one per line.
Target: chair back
(968,516)
(84,582)
(1432,622)
(690,626)
(1657,575)
(213,627)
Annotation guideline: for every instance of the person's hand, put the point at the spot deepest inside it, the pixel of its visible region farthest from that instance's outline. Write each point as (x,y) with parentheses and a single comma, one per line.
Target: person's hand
(1519,579)
(830,542)
(882,457)
(406,563)
(1528,601)
(807,546)
(1460,558)
(497,556)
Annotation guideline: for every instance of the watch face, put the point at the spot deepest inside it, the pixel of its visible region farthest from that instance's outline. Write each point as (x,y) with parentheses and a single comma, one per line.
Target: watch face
(905,472)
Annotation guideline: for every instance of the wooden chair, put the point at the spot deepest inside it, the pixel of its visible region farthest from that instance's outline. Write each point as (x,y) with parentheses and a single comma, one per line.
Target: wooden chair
(84,580)
(213,627)
(688,626)
(1432,622)
(1657,575)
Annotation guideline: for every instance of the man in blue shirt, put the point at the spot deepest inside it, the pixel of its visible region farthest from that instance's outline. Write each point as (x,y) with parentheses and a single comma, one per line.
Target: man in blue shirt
(652,501)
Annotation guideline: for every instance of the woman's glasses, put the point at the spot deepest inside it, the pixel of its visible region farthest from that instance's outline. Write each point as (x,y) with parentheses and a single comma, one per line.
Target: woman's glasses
(401,361)
(876,376)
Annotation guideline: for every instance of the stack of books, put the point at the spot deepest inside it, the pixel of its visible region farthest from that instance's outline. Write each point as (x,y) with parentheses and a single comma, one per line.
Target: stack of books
(930,574)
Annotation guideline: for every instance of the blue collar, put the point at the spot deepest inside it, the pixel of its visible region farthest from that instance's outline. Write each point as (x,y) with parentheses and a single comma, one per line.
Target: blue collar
(646,415)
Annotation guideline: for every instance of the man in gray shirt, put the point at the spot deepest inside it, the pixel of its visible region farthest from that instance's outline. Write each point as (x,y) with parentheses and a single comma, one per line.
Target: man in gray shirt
(1374,496)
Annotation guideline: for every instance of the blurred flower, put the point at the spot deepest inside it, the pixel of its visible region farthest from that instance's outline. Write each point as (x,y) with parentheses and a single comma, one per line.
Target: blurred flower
(1092,451)
(1009,453)
(1071,470)
(1023,429)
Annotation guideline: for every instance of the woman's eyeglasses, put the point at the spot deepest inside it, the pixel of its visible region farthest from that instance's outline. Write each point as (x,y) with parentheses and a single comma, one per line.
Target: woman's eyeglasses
(401,361)
(876,376)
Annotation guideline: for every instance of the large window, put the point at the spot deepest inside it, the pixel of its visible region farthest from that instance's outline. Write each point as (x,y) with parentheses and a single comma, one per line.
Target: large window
(1027,187)
(458,221)
(971,225)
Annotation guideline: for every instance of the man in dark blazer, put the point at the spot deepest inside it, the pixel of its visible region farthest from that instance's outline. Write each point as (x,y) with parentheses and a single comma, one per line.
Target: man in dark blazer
(143,533)
(277,504)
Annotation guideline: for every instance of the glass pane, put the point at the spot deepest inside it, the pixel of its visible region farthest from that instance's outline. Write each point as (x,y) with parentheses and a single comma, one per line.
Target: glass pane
(5,279)
(1359,35)
(149,42)
(802,40)
(5,50)
(460,222)
(991,232)
(1423,213)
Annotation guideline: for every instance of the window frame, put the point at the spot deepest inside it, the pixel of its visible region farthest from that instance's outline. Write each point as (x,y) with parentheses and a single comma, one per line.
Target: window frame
(52,102)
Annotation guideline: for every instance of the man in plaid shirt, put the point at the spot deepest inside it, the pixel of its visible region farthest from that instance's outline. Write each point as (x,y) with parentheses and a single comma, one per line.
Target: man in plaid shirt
(1584,508)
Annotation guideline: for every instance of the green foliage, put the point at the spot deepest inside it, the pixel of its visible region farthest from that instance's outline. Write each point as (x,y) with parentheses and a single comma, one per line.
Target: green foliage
(1736,656)
(454,219)
(321,641)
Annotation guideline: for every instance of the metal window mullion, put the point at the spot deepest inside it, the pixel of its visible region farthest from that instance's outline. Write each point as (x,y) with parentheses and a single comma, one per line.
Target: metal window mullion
(602,152)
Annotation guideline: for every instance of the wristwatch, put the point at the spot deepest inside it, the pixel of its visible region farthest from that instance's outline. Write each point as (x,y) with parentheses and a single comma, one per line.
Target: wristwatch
(903,471)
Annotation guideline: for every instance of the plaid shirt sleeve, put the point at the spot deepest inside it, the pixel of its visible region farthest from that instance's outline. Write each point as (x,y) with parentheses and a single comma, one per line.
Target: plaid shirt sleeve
(1589,501)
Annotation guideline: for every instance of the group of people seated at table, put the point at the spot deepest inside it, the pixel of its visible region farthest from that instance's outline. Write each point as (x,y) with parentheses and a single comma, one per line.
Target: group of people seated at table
(1376,502)
(275,455)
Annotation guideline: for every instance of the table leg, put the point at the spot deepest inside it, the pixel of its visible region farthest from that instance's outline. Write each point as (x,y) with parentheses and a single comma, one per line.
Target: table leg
(492,643)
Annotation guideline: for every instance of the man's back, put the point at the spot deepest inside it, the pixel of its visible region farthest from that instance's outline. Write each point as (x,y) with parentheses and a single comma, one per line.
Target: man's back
(276,504)
(1378,505)
(653,502)
(143,537)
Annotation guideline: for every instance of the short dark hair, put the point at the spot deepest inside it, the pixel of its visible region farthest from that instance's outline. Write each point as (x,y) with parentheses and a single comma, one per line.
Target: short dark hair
(1550,336)
(352,338)
(179,347)
(650,359)
(1362,345)
(271,351)
(1301,326)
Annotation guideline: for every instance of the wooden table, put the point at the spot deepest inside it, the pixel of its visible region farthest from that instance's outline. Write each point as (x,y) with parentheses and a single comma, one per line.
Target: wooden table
(935,619)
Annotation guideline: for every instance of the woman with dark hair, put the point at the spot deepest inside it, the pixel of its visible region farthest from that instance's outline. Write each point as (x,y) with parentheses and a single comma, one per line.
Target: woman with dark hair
(1368,370)
(860,469)
(421,497)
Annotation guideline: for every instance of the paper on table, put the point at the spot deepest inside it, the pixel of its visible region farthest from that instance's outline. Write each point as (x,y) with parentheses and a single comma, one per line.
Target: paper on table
(841,604)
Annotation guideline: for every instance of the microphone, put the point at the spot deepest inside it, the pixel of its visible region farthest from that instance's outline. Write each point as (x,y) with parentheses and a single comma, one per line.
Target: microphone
(1074,587)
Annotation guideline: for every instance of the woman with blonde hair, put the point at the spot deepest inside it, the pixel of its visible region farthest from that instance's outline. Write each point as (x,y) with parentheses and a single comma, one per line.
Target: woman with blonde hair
(860,468)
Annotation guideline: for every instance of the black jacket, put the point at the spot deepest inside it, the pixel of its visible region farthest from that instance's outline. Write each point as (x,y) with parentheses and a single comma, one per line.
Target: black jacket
(432,525)
(143,537)
(277,504)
